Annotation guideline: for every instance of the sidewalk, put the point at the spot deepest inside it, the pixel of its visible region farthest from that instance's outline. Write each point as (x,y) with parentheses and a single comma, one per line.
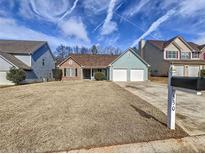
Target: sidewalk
(187,144)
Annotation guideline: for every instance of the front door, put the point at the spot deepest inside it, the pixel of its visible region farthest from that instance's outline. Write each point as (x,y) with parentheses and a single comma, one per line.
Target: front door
(86,74)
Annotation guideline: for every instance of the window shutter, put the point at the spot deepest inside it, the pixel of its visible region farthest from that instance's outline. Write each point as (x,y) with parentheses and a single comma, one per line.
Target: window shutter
(76,72)
(64,71)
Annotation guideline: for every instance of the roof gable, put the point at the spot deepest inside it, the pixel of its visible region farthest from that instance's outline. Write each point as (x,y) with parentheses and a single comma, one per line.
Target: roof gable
(134,53)
(65,60)
(177,42)
(161,44)
(15,61)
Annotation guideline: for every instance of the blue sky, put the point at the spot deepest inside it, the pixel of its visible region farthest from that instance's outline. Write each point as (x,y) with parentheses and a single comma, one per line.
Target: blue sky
(119,23)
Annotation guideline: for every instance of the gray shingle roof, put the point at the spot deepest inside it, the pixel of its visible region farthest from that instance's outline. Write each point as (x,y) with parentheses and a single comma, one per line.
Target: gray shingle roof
(12,59)
(20,46)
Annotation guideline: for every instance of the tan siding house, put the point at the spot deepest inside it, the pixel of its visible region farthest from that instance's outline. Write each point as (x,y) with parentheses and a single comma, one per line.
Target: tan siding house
(188,57)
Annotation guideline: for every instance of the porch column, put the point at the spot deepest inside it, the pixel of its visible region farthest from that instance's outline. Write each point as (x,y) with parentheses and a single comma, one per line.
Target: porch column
(91,71)
(108,73)
(81,73)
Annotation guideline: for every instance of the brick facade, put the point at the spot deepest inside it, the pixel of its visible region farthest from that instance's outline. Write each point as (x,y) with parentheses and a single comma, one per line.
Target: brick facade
(70,63)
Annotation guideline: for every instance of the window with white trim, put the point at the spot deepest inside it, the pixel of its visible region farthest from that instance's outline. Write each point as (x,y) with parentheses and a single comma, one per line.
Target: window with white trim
(185,55)
(70,72)
(195,55)
(171,54)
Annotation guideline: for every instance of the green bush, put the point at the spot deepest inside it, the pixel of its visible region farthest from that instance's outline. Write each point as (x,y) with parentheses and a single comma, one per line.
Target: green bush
(57,74)
(16,75)
(99,76)
(202,73)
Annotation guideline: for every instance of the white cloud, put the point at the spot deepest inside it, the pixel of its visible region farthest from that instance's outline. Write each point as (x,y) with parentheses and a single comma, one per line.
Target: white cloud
(155,25)
(75,27)
(109,26)
(70,10)
(94,7)
(52,11)
(191,7)
(12,30)
(135,8)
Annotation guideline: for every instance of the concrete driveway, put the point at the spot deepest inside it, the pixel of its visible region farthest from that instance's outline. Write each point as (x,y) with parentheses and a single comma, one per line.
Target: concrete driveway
(190,108)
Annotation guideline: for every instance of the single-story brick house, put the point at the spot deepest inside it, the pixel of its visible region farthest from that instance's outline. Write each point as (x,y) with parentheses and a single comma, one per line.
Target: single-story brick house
(128,66)
(34,57)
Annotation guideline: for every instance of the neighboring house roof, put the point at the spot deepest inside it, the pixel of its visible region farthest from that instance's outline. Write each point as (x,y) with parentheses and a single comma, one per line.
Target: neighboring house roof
(134,52)
(188,62)
(13,60)
(194,46)
(92,61)
(157,43)
(161,44)
(20,46)
(202,46)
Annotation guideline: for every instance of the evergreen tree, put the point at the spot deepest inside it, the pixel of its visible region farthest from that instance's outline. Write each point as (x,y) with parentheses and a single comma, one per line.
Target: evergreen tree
(94,50)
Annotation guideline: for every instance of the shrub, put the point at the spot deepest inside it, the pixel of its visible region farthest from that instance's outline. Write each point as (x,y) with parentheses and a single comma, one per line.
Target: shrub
(57,74)
(202,73)
(99,76)
(16,75)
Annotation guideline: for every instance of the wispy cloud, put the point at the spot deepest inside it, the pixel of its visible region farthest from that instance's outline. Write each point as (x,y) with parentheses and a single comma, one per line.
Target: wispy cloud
(192,7)
(155,25)
(69,11)
(45,9)
(109,26)
(135,8)
(186,8)
(74,27)
(93,7)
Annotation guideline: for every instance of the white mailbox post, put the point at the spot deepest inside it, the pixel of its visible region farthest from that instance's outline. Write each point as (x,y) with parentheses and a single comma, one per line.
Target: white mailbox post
(171,108)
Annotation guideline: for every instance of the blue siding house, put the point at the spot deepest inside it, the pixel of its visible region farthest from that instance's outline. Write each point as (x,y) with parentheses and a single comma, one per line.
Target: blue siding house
(34,57)
(129,66)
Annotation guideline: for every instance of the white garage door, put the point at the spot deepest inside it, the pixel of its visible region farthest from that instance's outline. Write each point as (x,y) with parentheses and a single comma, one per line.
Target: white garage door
(3,79)
(179,70)
(193,71)
(136,75)
(119,75)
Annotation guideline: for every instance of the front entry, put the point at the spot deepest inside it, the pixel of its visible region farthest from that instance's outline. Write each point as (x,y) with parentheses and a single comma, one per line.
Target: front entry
(86,74)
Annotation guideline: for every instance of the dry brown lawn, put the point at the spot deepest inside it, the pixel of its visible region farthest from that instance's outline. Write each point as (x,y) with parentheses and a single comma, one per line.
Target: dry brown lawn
(163,80)
(60,116)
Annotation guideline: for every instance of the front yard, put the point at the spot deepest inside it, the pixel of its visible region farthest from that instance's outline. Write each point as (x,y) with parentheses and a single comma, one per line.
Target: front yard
(59,116)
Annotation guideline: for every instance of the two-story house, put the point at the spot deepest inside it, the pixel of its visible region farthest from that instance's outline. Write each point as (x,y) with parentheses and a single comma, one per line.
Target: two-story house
(187,57)
(34,57)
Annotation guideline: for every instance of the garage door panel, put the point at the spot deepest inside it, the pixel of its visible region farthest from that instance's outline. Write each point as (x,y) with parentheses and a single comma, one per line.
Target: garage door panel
(3,79)
(136,75)
(120,75)
(179,71)
(193,71)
